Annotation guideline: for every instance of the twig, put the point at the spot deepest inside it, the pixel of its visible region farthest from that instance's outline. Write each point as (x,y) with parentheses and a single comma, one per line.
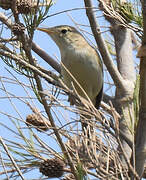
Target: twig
(12,160)
(46,57)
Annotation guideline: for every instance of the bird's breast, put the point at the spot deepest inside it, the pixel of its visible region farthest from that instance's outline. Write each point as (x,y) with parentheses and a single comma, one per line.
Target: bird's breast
(83,69)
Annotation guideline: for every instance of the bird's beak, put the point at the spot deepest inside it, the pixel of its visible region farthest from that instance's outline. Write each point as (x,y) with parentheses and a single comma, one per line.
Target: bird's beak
(47,30)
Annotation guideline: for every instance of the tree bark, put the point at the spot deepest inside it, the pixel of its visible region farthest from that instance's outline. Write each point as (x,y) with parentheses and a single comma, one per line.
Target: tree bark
(140,148)
(125,64)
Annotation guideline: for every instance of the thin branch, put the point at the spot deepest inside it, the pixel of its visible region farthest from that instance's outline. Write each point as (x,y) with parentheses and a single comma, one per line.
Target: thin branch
(26,64)
(12,160)
(54,64)
(35,47)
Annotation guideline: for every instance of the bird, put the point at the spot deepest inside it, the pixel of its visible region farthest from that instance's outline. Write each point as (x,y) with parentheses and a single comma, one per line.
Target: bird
(81,65)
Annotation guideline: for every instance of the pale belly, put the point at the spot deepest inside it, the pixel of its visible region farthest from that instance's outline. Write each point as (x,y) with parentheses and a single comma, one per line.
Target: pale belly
(84,74)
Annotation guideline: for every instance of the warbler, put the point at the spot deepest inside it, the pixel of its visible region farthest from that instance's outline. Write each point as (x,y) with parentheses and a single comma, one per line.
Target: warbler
(81,65)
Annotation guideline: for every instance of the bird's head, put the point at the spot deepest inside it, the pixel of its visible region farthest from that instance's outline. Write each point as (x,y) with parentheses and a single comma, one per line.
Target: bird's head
(64,36)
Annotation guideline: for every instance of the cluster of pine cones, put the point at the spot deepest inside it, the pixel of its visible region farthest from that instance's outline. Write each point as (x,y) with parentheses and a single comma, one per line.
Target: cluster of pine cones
(23,6)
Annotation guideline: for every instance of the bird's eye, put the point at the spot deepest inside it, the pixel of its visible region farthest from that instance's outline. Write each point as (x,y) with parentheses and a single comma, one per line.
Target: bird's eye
(64,31)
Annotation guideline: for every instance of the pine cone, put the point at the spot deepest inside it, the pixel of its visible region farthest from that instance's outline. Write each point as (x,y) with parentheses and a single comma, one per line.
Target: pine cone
(37,121)
(24,6)
(5,4)
(52,168)
(18,29)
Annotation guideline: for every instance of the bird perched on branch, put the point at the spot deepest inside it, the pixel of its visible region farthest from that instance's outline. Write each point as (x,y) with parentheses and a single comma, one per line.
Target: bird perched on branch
(81,64)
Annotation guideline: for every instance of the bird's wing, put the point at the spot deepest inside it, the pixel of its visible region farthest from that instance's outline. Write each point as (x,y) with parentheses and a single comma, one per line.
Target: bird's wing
(98,98)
